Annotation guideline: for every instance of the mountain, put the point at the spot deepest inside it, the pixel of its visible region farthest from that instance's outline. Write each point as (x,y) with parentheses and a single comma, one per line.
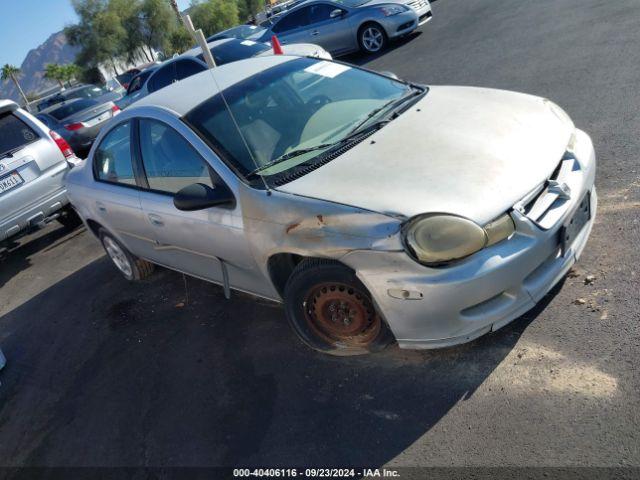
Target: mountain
(54,50)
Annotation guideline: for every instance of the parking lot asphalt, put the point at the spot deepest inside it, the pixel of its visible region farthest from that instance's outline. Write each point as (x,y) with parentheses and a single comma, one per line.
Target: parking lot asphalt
(166,372)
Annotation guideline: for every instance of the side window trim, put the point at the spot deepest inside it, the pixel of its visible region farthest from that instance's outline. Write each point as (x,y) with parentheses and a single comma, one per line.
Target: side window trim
(216,179)
(94,166)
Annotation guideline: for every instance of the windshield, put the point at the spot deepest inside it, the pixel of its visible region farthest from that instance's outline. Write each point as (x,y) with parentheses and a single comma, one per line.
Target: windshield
(294,112)
(138,81)
(351,3)
(70,108)
(233,50)
(248,31)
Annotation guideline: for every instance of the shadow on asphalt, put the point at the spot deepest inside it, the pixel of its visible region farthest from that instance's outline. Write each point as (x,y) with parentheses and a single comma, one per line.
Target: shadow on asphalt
(166,372)
(362,59)
(15,255)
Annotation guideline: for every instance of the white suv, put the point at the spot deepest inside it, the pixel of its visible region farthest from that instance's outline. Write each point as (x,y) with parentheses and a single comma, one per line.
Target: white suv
(34,162)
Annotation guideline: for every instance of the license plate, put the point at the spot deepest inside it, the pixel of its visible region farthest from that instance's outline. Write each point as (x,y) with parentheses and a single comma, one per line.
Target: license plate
(10,181)
(572,229)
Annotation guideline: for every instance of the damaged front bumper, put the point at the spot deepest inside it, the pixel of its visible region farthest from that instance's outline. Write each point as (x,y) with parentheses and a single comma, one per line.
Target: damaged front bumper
(439,307)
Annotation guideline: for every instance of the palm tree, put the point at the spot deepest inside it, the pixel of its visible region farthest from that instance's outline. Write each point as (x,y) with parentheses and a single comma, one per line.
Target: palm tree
(53,71)
(10,72)
(174,6)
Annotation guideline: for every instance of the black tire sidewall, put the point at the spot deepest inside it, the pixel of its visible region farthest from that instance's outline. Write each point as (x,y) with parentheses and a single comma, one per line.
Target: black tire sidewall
(296,291)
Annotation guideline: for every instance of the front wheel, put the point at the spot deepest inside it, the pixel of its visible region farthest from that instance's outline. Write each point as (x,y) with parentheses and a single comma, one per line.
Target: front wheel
(372,38)
(132,267)
(331,310)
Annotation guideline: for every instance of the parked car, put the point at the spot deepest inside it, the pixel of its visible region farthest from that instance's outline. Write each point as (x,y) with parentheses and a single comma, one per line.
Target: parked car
(134,90)
(372,207)
(241,32)
(345,26)
(125,78)
(33,164)
(95,92)
(79,120)
(192,62)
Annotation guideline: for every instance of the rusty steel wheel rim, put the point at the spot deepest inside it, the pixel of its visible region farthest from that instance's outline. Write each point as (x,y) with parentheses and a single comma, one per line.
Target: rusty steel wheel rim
(341,315)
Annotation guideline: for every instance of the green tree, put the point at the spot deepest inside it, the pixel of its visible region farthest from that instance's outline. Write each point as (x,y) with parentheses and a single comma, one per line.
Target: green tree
(53,71)
(179,41)
(158,21)
(213,16)
(11,72)
(71,71)
(247,9)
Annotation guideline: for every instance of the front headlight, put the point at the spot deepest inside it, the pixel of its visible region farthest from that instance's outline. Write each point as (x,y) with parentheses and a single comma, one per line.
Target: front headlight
(440,238)
(392,10)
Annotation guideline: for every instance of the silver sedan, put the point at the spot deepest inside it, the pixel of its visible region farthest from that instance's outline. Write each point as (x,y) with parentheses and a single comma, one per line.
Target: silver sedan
(374,209)
(345,26)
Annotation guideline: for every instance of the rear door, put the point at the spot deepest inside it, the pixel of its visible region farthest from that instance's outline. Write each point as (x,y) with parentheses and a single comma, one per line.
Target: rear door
(293,27)
(32,167)
(116,191)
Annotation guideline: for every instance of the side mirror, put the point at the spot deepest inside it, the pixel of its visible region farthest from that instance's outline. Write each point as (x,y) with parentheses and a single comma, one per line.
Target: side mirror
(390,75)
(199,196)
(338,12)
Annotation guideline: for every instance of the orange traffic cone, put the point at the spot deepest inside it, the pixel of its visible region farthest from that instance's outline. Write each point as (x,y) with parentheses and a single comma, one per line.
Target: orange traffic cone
(277,48)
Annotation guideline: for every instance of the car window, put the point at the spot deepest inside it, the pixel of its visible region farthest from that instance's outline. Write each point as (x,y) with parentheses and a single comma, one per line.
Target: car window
(320,13)
(186,68)
(234,50)
(69,109)
(113,156)
(137,83)
(169,161)
(296,19)
(163,77)
(91,91)
(14,134)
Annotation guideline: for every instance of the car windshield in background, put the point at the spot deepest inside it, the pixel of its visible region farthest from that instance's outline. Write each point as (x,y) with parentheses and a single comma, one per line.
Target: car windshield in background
(137,83)
(352,3)
(234,50)
(69,109)
(14,134)
(247,31)
(294,112)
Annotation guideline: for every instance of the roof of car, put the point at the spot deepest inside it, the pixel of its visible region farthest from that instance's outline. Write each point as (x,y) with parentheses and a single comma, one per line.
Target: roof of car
(194,52)
(186,94)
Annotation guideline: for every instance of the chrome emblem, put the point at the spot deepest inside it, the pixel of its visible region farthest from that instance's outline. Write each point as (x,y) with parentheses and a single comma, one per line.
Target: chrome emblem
(560,189)
(2,167)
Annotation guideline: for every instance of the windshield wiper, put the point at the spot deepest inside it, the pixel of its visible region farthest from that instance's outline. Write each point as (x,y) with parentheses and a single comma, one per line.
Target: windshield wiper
(289,156)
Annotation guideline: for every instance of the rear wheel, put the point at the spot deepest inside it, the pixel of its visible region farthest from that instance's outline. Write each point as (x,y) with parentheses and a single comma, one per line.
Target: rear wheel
(332,311)
(132,267)
(372,38)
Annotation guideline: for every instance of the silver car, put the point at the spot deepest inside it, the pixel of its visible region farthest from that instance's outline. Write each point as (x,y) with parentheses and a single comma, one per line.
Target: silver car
(345,26)
(33,164)
(374,209)
(224,51)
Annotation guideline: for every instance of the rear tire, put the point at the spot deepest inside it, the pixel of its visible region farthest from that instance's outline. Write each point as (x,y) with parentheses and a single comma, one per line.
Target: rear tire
(131,267)
(372,38)
(69,219)
(331,310)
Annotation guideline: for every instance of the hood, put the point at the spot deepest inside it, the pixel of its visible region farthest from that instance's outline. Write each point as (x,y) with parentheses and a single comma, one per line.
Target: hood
(466,151)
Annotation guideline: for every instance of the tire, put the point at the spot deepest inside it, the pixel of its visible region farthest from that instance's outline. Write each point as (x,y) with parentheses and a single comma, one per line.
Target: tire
(69,219)
(131,267)
(372,38)
(331,311)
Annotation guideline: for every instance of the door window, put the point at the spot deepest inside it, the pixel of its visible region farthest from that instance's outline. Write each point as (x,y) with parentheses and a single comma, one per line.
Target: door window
(296,19)
(320,12)
(169,161)
(186,68)
(113,157)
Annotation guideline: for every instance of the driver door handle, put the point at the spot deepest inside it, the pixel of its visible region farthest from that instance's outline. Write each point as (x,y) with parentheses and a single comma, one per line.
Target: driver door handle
(156,220)
(314,33)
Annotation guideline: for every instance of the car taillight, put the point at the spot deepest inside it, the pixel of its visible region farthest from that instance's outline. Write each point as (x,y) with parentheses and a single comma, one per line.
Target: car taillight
(64,147)
(74,126)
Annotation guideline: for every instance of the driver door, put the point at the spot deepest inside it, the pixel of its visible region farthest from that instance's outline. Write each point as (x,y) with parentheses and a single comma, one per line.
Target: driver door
(332,33)
(194,242)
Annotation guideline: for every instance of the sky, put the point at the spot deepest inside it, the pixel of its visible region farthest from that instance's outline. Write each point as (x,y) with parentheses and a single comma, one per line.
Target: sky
(25,24)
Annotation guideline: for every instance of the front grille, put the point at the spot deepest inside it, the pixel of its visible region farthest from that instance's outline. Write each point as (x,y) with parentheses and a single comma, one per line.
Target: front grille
(546,205)
(417,4)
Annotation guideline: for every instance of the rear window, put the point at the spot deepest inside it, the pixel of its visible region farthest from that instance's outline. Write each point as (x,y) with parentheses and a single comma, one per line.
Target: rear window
(234,50)
(14,134)
(92,91)
(71,108)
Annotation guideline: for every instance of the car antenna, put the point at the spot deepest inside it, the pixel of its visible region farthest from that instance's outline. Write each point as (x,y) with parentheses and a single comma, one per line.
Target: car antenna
(199,37)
